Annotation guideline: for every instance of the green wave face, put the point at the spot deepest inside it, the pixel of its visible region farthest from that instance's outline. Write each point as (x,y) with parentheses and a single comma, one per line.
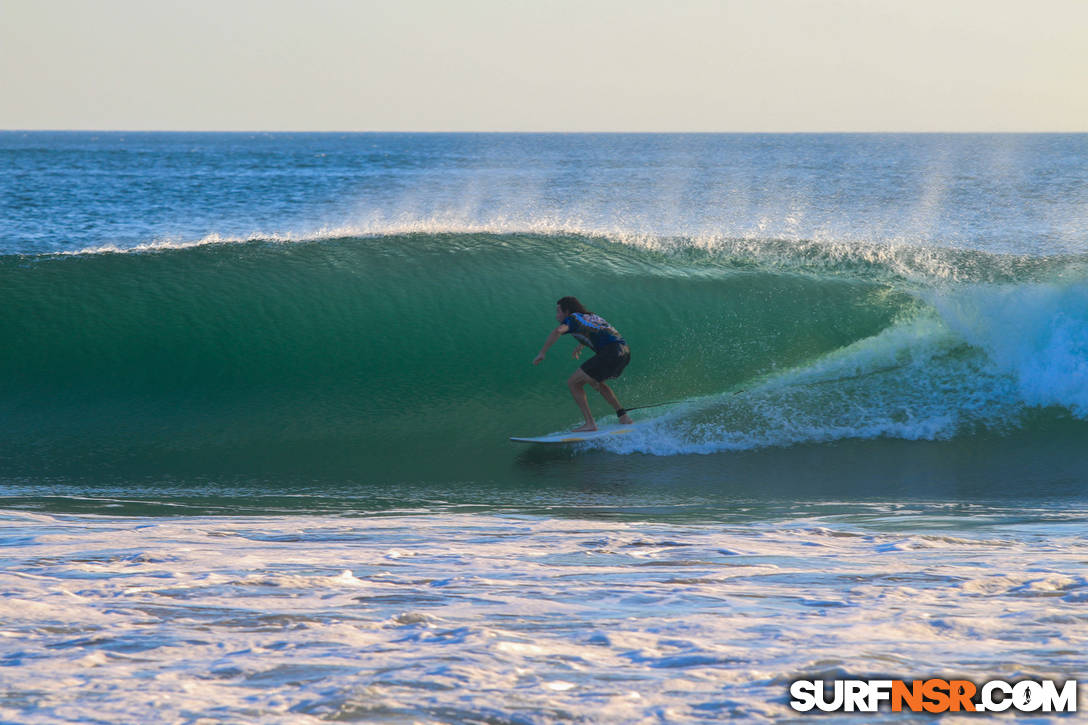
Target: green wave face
(405,357)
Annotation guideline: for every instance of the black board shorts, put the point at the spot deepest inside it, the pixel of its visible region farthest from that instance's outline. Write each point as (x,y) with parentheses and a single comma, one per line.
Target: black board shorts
(608,363)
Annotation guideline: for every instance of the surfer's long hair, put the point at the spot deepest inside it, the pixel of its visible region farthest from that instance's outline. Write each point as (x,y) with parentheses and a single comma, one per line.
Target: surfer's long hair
(571,305)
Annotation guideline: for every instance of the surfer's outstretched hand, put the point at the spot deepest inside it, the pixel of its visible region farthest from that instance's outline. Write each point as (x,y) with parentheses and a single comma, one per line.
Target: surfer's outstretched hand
(538,358)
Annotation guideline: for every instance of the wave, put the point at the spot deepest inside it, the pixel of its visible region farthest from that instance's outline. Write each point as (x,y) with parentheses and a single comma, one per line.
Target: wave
(387,349)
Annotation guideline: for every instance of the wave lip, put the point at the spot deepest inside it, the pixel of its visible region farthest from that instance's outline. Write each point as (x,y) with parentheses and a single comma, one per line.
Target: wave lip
(903,261)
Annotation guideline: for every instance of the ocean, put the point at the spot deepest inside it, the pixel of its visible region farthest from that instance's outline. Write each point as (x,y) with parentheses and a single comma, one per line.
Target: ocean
(256,391)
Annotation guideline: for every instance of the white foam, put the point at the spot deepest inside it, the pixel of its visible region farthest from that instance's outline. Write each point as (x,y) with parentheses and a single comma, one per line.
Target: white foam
(1035,333)
(909,381)
(564,620)
(980,355)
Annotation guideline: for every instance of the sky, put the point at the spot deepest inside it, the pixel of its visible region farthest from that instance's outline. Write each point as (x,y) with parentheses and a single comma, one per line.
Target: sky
(545,65)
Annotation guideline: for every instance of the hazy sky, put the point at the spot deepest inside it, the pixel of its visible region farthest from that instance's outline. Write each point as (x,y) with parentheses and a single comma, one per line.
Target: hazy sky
(545,65)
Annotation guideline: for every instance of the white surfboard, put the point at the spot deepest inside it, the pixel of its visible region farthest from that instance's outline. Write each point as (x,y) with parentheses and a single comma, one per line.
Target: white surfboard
(567,437)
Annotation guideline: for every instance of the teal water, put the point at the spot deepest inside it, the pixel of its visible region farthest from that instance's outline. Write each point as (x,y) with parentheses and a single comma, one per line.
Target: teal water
(405,358)
(256,390)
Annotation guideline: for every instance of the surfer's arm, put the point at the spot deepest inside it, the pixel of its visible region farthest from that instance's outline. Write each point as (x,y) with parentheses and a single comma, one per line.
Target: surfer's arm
(561,330)
(578,351)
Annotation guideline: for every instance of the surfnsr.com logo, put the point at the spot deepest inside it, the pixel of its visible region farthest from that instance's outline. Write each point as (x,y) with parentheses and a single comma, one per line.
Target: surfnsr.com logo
(933,695)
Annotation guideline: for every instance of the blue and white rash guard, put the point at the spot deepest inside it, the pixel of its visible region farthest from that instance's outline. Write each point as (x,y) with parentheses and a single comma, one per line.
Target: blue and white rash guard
(593,331)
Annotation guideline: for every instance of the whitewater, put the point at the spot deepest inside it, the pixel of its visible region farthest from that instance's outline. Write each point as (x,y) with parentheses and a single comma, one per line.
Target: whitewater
(256,389)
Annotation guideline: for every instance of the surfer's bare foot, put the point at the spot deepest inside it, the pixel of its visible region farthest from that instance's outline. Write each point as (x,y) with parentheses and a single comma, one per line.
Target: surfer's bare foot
(626,420)
(587,428)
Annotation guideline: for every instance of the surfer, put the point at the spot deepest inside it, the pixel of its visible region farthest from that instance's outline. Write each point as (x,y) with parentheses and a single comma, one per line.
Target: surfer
(610,358)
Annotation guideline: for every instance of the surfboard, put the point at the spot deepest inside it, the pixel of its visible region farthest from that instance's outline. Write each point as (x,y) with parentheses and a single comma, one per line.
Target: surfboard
(567,437)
